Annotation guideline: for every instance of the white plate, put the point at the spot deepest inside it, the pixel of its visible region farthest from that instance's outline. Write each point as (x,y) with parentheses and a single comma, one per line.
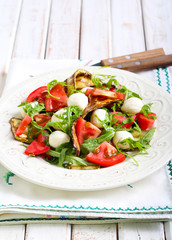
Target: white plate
(40,172)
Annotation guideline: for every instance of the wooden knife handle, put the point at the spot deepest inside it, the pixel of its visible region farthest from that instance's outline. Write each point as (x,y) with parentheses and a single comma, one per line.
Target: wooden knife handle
(140,61)
(133,57)
(144,64)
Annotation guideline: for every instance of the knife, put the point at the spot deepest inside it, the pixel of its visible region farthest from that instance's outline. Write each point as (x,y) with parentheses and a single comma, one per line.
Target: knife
(139,61)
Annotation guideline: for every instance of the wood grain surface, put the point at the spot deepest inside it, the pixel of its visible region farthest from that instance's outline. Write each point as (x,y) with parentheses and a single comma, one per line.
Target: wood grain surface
(32,29)
(64,30)
(9,16)
(95,39)
(127,27)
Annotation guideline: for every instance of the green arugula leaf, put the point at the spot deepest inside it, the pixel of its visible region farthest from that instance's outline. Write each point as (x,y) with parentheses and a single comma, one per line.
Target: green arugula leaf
(24,145)
(146,110)
(128,120)
(62,156)
(112,81)
(97,81)
(137,128)
(142,144)
(70,114)
(130,156)
(41,130)
(90,144)
(107,122)
(76,161)
(50,85)
(32,108)
(31,131)
(114,107)
(117,106)
(133,144)
(65,123)
(104,81)
(148,137)
(68,146)
(128,93)
(71,159)
(72,90)
(64,84)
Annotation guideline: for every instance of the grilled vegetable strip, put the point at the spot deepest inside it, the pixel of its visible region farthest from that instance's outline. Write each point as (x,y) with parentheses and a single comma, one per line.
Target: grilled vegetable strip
(80,79)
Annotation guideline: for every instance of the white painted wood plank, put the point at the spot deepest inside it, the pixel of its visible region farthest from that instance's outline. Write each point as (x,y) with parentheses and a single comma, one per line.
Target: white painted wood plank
(48,231)
(32,30)
(158,24)
(64,30)
(128,37)
(127,27)
(9,15)
(96,232)
(145,231)
(11,232)
(95,30)
(168,230)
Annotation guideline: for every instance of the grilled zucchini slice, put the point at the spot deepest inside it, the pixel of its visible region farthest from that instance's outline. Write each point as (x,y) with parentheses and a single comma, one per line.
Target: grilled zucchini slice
(84,167)
(80,79)
(23,137)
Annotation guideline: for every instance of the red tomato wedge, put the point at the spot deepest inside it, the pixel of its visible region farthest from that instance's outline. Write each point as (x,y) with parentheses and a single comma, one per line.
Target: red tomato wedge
(97,92)
(23,124)
(112,89)
(41,138)
(36,148)
(42,119)
(88,91)
(118,118)
(54,104)
(85,130)
(38,94)
(105,155)
(145,122)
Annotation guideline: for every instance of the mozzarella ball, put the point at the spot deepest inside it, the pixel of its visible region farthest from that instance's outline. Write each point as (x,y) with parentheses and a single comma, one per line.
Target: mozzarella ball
(59,113)
(101,114)
(78,99)
(85,89)
(57,138)
(132,105)
(119,136)
(23,113)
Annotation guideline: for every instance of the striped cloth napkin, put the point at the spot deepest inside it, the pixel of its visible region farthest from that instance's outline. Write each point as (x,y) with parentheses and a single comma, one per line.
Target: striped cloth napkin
(24,202)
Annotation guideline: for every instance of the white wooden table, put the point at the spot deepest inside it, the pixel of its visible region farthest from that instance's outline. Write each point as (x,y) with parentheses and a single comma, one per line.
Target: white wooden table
(86,29)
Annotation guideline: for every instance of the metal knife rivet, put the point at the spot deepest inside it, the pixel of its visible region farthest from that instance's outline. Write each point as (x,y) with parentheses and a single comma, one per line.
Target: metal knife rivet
(119,66)
(127,57)
(137,63)
(110,60)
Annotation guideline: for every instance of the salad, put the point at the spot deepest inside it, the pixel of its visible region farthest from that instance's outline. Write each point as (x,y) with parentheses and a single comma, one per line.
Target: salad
(89,121)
